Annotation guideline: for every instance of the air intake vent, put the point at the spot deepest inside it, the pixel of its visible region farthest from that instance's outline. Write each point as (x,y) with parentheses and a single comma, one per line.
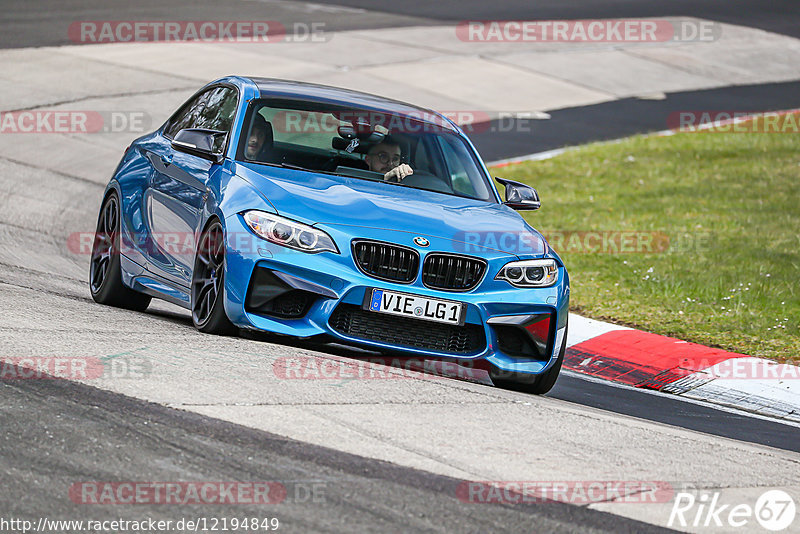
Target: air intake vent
(451,272)
(386,261)
(352,321)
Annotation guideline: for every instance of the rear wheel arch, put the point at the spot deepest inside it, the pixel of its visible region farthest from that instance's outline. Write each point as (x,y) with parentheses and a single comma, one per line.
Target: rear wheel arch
(105,272)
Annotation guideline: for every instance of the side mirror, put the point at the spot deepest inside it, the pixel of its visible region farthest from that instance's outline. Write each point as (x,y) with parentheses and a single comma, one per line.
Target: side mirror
(198,142)
(520,196)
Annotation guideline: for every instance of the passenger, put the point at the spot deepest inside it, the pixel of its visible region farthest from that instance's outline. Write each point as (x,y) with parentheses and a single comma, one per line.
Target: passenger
(385,157)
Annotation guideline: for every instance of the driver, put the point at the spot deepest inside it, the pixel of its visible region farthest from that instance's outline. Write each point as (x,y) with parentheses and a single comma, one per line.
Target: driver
(385,157)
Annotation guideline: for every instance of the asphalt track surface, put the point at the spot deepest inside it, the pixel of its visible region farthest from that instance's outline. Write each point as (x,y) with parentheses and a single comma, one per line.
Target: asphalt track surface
(629,401)
(777,16)
(85,433)
(41,23)
(509,138)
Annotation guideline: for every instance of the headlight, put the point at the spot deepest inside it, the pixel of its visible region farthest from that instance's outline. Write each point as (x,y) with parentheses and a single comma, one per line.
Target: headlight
(289,233)
(529,273)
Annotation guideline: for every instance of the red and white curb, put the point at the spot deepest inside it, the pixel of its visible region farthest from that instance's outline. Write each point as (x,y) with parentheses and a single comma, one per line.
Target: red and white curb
(651,361)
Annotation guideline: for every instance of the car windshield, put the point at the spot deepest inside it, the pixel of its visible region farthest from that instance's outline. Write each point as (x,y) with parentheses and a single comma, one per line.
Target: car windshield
(363,144)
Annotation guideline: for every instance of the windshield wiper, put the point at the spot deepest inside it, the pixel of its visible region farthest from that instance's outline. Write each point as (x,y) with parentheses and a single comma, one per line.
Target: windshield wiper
(296,167)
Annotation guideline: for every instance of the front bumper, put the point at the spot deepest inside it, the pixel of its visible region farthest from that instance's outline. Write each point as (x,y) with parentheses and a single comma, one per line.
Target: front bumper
(279,290)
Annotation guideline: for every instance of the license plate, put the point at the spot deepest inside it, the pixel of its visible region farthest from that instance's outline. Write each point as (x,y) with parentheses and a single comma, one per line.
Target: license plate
(407,305)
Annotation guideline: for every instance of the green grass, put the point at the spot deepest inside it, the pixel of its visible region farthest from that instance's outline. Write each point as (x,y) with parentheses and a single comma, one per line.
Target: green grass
(730,206)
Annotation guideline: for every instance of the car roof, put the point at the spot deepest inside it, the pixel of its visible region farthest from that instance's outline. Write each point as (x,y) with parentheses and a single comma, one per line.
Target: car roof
(272,87)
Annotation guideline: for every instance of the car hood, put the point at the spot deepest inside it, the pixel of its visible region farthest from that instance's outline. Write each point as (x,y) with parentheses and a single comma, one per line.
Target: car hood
(340,202)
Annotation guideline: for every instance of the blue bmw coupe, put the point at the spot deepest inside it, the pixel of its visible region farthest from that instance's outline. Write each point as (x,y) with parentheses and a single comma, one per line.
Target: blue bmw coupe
(307,210)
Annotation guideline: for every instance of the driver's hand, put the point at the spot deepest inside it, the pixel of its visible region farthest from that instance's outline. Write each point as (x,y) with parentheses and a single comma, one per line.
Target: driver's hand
(398,173)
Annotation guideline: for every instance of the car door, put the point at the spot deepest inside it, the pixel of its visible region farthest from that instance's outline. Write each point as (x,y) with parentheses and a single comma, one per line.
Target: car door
(179,185)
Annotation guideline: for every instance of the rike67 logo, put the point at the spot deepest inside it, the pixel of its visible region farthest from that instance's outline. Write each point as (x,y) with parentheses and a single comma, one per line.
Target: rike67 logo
(774,510)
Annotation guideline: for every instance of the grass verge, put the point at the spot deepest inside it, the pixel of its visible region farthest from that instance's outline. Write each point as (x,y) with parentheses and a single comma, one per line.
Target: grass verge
(720,213)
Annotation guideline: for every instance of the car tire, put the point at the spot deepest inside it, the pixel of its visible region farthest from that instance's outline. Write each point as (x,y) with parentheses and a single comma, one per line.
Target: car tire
(527,383)
(208,283)
(105,273)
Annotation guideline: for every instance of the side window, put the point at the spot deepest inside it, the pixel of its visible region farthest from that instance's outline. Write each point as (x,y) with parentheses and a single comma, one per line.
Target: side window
(464,176)
(217,114)
(187,116)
